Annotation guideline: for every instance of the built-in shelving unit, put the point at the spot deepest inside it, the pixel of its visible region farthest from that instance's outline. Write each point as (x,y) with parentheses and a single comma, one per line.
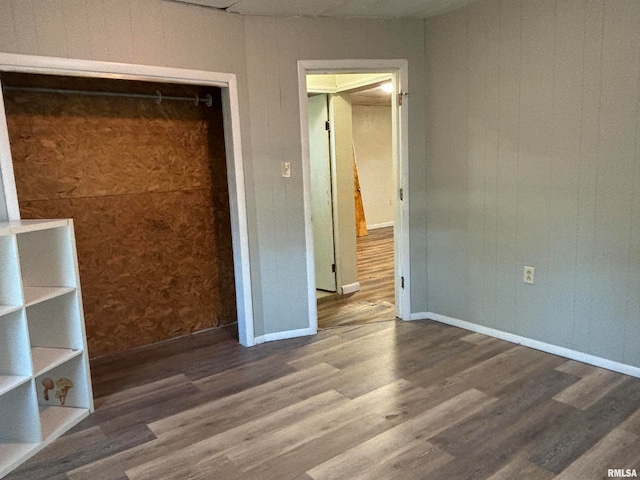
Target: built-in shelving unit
(45,387)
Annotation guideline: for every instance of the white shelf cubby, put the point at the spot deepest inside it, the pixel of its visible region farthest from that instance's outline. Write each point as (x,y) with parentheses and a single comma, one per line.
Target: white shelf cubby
(15,361)
(55,331)
(42,338)
(20,430)
(67,396)
(47,256)
(10,284)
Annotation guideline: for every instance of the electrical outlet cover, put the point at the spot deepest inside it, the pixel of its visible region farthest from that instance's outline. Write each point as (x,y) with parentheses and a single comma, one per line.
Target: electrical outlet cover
(528,275)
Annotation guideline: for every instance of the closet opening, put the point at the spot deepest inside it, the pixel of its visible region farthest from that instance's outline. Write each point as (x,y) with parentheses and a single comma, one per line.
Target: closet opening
(143,173)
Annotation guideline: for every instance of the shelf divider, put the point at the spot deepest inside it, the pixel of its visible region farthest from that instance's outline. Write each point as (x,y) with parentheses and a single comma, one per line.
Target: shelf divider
(7,309)
(47,358)
(33,295)
(8,382)
(13,454)
(57,420)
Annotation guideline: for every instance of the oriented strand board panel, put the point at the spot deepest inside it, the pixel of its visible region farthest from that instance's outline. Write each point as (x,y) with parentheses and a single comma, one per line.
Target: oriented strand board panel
(146,185)
(74,146)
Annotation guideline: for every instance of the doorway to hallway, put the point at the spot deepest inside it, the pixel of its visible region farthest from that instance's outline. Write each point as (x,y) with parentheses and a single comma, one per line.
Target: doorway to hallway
(380,289)
(354,193)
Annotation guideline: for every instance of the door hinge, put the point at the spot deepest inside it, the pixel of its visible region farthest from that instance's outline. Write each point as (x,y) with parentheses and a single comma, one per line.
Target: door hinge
(327,125)
(401,282)
(401,95)
(401,193)
(333,268)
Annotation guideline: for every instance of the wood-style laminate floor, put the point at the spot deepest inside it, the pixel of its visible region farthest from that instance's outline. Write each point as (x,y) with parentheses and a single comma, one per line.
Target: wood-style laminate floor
(387,400)
(374,302)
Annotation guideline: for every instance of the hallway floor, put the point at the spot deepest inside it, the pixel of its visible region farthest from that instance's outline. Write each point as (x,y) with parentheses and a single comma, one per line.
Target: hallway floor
(375,300)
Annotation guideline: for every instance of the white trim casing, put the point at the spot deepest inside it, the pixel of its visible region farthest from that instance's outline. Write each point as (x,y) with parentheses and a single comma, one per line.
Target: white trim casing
(351,288)
(375,226)
(235,168)
(238,210)
(372,79)
(6,167)
(306,195)
(326,90)
(535,344)
(402,249)
(270,337)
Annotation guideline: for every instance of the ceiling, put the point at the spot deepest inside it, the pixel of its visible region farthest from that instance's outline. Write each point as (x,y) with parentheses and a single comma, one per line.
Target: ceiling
(335,8)
(363,88)
(371,97)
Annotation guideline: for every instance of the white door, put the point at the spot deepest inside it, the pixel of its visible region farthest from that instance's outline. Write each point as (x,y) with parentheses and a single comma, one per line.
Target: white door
(321,205)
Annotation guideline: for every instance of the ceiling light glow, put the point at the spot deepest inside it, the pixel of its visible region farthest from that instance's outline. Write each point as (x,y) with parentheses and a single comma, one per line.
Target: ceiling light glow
(386,87)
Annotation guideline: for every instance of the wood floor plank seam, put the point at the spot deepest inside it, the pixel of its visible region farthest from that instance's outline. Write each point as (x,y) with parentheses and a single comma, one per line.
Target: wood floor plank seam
(420,428)
(245,434)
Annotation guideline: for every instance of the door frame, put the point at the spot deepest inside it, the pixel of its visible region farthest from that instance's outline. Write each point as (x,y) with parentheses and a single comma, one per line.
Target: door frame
(235,168)
(399,70)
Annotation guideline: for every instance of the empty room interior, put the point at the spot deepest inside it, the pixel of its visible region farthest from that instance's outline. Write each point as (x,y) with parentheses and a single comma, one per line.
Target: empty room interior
(260,239)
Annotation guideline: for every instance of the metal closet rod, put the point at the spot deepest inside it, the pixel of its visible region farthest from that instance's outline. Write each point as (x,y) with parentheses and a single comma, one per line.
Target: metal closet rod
(158,97)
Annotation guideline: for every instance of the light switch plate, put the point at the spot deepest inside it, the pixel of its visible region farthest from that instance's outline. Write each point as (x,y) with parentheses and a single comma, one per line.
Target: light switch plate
(285,167)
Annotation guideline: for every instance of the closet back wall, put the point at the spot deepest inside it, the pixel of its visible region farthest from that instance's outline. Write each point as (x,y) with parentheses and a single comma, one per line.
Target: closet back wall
(153,229)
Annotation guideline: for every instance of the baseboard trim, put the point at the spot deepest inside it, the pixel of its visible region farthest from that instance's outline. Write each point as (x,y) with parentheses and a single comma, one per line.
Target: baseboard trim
(535,344)
(380,225)
(351,288)
(271,337)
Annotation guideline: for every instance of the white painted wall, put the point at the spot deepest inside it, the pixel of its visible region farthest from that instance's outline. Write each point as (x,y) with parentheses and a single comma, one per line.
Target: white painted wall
(372,141)
(533,153)
(273,46)
(263,53)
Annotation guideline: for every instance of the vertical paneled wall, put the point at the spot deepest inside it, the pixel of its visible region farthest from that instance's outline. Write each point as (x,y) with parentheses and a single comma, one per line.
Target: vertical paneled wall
(148,32)
(145,32)
(262,52)
(533,158)
(146,185)
(273,46)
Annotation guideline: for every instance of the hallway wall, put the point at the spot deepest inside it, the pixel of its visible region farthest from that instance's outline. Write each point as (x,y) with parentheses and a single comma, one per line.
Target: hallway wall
(374,154)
